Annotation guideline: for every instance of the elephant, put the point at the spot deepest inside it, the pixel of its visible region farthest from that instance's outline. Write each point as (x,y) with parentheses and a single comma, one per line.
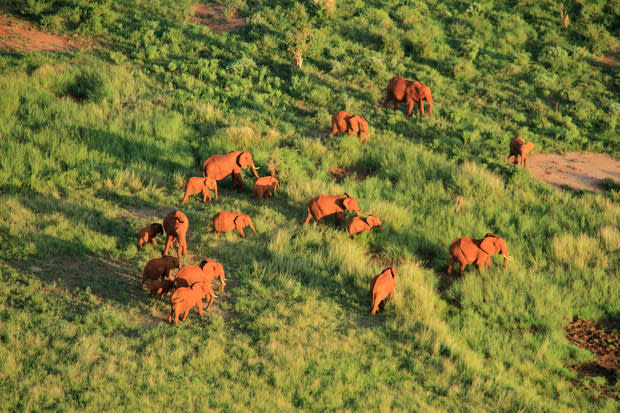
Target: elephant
(265,186)
(329,205)
(359,224)
(214,269)
(203,273)
(400,89)
(519,149)
(466,251)
(185,298)
(159,268)
(227,221)
(382,287)
(161,288)
(196,184)
(345,122)
(148,234)
(219,167)
(175,225)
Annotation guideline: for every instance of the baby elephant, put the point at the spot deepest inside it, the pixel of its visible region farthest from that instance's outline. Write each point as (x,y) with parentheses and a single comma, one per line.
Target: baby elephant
(382,287)
(358,224)
(161,288)
(159,268)
(227,221)
(199,184)
(184,299)
(265,186)
(148,234)
(345,122)
(519,149)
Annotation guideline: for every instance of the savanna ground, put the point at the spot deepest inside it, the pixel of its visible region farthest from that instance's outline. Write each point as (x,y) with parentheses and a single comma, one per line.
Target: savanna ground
(96,142)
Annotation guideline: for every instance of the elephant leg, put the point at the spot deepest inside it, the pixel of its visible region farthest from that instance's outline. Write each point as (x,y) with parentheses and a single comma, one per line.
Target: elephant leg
(450,265)
(171,315)
(185,315)
(237,180)
(199,305)
(421,102)
(462,270)
(240,231)
(169,241)
(153,240)
(340,217)
(204,196)
(308,218)
(430,109)
(210,300)
(395,104)
(185,198)
(387,100)
(409,107)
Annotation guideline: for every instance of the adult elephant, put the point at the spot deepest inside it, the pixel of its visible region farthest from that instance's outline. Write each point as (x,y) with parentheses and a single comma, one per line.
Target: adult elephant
(219,167)
(466,251)
(400,89)
(324,206)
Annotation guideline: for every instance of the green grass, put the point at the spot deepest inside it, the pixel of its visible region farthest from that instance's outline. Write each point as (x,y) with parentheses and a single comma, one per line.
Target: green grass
(97,143)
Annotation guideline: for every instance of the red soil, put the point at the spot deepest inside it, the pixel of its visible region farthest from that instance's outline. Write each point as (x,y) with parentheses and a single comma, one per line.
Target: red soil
(21,36)
(213,16)
(579,170)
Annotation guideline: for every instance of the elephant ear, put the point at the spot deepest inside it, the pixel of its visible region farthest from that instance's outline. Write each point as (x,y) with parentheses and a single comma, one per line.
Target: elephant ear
(393,271)
(349,203)
(373,221)
(354,123)
(244,160)
(487,245)
(412,91)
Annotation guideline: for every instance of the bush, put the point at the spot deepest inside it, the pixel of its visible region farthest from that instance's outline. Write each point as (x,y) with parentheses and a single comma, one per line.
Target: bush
(87,85)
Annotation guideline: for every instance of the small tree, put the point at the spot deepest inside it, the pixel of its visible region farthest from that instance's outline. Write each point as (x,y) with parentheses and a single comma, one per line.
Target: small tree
(563,16)
(298,41)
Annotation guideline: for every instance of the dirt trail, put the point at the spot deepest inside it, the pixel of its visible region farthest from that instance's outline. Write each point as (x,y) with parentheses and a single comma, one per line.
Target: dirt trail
(213,16)
(19,35)
(579,170)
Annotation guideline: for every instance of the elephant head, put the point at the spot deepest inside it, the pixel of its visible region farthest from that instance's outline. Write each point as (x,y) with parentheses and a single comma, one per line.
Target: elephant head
(412,92)
(244,160)
(157,229)
(491,244)
(171,262)
(350,204)
(358,124)
(373,221)
(274,182)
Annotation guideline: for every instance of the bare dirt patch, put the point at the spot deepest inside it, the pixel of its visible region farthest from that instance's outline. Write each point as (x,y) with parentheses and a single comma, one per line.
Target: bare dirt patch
(340,174)
(602,339)
(214,16)
(578,170)
(19,35)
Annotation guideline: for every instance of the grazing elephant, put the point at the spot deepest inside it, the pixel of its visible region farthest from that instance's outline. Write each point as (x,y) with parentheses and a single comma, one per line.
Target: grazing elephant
(519,149)
(148,234)
(219,167)
(214,269)
(196,184)
(159,268)
(345,122)
(161,288)
(185,298)
(400,89)
(359,224)
(227,221)
(328,205)
(479,251)
(265,186)
(382,287)
(175,225)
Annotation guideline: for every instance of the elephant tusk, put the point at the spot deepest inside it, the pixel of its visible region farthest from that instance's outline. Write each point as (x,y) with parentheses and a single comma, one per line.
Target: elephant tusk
(508,257)
(214,296)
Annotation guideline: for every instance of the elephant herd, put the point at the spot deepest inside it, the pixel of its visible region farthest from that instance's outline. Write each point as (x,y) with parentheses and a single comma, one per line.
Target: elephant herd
(192,283)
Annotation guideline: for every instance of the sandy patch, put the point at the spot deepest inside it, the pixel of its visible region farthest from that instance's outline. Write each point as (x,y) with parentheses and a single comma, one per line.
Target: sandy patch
(213,16)
(579,170)
(21,36)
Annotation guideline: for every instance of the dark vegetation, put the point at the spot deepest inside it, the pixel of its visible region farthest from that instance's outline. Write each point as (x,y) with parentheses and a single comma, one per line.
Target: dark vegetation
(96,143)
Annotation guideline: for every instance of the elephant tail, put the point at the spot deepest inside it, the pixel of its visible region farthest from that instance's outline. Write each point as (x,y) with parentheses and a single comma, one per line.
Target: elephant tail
(185,185)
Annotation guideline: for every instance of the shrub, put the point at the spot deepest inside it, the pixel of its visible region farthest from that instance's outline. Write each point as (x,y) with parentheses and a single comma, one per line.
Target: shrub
(87,85)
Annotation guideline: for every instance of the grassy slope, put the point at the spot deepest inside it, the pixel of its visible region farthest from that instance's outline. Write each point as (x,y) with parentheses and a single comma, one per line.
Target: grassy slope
(79,177)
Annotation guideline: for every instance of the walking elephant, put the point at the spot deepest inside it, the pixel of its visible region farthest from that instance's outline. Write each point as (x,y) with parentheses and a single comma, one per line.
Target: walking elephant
(265,186)
(345,122)
(176,225)
(519,149)
(400,89)
(219,167)
(323,206)
(196,185)
(228,221)
(467,251)
(382,287)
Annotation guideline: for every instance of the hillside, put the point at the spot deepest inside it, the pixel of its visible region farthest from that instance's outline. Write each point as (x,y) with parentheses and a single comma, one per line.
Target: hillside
(97,139)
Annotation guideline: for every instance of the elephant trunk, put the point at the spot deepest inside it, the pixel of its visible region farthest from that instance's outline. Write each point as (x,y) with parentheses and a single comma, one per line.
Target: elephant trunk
(252,226)
(254,168)
(504,252)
